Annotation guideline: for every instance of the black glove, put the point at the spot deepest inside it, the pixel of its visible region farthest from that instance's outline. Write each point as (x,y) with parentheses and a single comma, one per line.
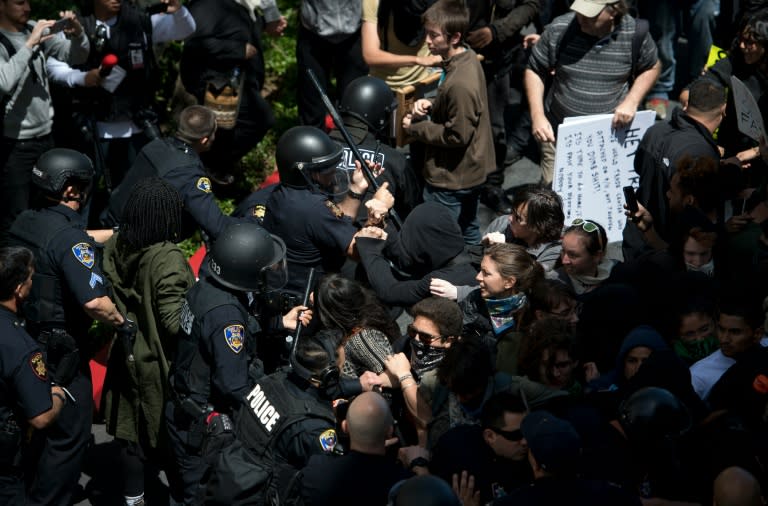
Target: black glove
(218,435)
(126,336)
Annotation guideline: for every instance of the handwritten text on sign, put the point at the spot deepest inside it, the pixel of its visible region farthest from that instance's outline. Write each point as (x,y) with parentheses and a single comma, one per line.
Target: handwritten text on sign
(592,165)
(750,120)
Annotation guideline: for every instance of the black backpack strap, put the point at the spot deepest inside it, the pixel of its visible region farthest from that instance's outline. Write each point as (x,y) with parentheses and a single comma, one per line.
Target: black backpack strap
(6,98)
(641,30)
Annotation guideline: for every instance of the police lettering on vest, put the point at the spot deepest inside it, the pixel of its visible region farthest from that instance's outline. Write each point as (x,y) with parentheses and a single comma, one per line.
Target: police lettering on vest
(265,411)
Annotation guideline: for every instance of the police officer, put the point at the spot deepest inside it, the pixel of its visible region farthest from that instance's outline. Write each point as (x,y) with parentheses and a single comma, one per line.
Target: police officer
(68,293)
(286,418)
(177,160)
(317,231)
(216,349)
(26,394)
(366,109)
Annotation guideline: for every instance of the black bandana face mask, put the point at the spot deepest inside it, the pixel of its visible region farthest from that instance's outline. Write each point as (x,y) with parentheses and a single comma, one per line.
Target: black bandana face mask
(425,357)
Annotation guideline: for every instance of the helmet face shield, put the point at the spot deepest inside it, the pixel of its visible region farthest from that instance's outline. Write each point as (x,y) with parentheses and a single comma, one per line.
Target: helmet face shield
(333,182)
(275,276)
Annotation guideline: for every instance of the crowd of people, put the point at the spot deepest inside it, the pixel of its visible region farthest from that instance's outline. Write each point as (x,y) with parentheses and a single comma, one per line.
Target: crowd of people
(354,334)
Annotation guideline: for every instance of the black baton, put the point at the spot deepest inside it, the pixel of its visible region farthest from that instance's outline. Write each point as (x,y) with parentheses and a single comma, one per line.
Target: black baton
(350,142)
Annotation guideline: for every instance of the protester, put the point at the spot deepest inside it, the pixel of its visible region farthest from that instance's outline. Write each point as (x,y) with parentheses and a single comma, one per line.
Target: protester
(149,277)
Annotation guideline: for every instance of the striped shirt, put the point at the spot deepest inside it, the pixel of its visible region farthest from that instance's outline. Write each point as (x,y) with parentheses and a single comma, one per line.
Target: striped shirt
(592,75)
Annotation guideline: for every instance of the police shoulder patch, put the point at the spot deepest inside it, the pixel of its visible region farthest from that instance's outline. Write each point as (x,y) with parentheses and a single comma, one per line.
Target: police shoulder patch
(334,209)
(204,184)
(84,254)
(259,211)
(37,364)
(234,337)
(328,440)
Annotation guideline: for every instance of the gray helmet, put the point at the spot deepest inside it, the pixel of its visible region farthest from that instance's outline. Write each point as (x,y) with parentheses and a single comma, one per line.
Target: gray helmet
(304,151)
(59,165)
(370,100)
(652,414)
(247,258)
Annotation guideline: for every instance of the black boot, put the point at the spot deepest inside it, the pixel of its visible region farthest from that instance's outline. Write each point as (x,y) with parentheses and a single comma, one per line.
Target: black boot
(495,199)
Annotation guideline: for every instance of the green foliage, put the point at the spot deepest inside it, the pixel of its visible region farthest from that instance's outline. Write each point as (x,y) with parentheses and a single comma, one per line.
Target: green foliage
(279,89)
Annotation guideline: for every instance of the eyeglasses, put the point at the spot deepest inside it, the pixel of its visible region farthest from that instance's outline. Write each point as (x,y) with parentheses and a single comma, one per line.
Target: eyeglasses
(575,309)
(424,337)
(509,435)
(747,40)
(589,227)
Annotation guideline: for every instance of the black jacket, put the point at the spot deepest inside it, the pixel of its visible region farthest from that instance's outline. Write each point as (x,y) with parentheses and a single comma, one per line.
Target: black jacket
(662,147)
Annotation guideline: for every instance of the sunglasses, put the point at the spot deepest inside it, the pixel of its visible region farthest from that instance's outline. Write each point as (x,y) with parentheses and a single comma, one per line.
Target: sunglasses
(509,435)
(424,337)
(589,227)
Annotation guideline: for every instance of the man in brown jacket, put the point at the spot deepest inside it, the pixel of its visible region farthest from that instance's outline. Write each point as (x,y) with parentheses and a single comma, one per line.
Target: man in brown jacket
(455,125)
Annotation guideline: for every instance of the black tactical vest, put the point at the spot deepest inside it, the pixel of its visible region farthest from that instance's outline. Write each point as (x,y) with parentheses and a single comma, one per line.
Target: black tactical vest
(191,371)
(44,308)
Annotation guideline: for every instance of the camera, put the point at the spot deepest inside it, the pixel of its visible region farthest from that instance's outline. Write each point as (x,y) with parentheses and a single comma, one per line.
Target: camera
(146,119)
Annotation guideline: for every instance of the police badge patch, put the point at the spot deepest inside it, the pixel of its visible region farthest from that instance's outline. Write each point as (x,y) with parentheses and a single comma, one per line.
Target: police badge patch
(259,211)
(337,212)
(38,366)
(84,254)
(234,336)
(204,184)
(328,440)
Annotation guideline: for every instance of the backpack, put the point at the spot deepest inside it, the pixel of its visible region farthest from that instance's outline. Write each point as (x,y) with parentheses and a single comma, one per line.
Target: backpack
(641,30)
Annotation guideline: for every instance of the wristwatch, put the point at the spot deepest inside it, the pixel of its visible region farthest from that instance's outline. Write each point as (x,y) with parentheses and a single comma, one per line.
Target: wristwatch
(418,462)
(354,195)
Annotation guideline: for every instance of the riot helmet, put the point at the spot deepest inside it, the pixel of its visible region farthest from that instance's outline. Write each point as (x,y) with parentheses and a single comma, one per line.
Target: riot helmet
(652,414)
(247,258)
(307,157)
(59,166)
(371,101)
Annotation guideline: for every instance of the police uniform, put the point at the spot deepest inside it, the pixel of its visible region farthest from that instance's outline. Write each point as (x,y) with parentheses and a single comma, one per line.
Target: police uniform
(280,425)
(210,372)
(315,230)
(177,163)
(67,276)
(25,392)
(403,183)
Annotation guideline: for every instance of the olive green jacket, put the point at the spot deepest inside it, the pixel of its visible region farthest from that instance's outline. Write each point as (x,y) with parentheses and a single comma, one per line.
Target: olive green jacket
(149,288)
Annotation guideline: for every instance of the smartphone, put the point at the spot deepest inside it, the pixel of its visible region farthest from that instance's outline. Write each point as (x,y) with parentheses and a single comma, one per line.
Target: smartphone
(157,8)
(631,199)
(60,25)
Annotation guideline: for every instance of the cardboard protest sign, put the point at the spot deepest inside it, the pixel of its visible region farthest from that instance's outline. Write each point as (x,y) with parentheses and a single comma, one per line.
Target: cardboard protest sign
(592,165)
(748,115)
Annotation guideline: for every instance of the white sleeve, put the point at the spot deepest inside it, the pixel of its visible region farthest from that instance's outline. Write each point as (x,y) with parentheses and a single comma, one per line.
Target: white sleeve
(176,26)
(60,72)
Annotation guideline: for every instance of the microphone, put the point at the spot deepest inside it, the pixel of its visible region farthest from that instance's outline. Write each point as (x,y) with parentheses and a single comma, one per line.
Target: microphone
(107,63)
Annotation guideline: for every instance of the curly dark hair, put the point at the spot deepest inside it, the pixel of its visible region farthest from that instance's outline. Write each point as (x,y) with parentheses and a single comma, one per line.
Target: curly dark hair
(444,313)
(546,334)
(700,178)
(346,304)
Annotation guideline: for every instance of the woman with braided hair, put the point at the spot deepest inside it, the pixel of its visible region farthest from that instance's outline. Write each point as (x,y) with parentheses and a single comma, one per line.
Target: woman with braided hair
(150,276)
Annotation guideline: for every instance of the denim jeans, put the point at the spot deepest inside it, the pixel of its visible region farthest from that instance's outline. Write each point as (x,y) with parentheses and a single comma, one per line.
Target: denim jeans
(462,204)
(667,19)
